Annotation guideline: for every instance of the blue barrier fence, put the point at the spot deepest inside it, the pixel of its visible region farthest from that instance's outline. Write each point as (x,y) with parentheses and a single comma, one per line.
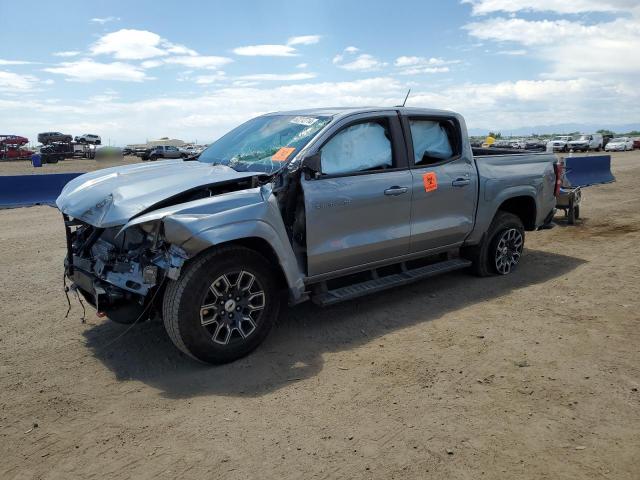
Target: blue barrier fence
(28,190)
(585,171)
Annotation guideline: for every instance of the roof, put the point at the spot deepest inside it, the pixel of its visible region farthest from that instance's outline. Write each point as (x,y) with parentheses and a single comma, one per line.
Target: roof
(345,111)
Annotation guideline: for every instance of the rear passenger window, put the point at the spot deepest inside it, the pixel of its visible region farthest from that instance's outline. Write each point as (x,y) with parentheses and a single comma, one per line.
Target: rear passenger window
(358,148)
(432,141)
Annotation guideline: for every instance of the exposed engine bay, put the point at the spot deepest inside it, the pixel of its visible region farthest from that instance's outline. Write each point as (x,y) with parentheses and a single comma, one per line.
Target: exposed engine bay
(113,268)
(121,269)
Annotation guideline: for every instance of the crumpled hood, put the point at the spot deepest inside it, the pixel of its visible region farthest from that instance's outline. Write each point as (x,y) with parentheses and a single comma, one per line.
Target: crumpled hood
(110,197)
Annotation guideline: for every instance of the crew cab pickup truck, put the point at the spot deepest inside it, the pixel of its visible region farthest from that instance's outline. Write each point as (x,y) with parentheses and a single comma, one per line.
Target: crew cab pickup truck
(323,205)
(161,151)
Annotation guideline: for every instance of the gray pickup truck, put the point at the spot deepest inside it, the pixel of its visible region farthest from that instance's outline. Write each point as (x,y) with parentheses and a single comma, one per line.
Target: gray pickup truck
(161,151)
(323,205)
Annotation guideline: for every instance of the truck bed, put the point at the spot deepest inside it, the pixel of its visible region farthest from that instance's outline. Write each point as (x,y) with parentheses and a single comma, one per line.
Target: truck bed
(503,174)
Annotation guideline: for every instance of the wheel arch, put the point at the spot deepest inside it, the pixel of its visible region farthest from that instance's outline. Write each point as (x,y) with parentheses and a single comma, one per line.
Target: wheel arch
(264,248)
(258,236)
(522,206)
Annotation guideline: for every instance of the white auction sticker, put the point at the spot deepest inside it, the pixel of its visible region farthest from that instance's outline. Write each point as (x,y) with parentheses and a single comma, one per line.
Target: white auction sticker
(304,120)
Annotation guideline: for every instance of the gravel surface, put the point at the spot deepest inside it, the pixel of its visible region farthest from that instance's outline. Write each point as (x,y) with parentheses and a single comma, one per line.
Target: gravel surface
(534,375)
(23,167)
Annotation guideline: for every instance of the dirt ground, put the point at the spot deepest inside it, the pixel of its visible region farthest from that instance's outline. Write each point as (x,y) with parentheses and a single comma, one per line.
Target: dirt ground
(534,375)
(24,167)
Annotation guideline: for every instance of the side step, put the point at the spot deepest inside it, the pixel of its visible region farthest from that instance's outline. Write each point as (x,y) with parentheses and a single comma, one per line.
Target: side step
(382,283)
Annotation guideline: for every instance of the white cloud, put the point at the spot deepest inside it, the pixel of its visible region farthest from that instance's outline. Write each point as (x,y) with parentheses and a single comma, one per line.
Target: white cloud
(282,77)
(266,51)
(14,62)
(67,53)
(483,7)
(128,44)
(572,48)
(211,114)
(178,49)
(151,63)
(364,62)
(302,65)
(200,61)
(103,20)
(304,40)
(419,70)
(411,65)
(87,70)
(277,50)
(14,82)
(209,79)
(512,52)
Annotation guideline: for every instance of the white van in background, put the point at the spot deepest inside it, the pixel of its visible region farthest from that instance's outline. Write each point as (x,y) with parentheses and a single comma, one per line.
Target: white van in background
(586,142)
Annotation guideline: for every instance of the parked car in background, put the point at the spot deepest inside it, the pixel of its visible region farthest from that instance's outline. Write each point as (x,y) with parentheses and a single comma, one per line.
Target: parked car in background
(89,138)
(46,138)
(84,150)
(13,140)
(606,139)
(559,143)
(586,142)
(519,144)
(191,150)
(14,152)
(619,144)
(162,151)
(636,143)
(128,151)
(535,145)
(292,205)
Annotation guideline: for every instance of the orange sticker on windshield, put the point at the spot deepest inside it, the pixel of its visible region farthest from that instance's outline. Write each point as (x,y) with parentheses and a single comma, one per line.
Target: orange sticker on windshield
(430,181)
(282,154)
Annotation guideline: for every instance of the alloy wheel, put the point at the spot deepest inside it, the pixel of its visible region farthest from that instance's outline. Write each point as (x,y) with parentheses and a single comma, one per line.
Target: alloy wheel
(508,250)
(232,307)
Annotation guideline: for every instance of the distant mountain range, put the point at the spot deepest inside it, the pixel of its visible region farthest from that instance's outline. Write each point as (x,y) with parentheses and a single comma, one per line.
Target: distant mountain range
(559,128)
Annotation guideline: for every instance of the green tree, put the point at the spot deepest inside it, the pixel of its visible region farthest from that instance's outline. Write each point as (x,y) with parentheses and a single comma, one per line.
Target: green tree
(604,131)
(495,135)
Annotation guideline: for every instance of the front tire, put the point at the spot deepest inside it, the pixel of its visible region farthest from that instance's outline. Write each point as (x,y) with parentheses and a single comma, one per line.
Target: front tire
(501,249)
(223,305)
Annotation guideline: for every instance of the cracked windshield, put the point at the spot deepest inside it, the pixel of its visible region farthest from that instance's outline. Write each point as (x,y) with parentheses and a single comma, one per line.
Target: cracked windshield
(263,144)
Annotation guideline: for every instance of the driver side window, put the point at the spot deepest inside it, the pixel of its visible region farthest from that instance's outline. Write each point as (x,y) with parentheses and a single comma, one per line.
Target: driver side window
(361,147)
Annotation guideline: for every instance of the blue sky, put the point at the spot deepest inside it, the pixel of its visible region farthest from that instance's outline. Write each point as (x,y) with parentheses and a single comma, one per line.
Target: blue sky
(136,70)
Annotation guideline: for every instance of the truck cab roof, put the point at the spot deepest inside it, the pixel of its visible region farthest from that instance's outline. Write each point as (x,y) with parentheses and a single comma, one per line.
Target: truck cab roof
(340,112)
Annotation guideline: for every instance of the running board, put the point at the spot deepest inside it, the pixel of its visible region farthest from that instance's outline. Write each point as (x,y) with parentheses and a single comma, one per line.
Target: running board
(382,283)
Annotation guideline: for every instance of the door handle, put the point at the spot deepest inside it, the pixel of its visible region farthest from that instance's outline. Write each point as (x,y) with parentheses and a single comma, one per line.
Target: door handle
(395,191)
(461,182)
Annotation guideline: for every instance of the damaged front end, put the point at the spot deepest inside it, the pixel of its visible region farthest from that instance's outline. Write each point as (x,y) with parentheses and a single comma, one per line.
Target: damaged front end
(120,272)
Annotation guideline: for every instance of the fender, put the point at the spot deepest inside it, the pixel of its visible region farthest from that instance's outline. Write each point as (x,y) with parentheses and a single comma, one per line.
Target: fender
(253,213)
(487,209)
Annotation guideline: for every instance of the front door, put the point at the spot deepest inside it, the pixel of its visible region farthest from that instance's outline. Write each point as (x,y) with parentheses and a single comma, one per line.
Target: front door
(358,210)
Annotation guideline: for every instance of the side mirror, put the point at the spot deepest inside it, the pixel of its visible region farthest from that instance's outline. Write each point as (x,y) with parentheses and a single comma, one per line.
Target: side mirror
(312,165)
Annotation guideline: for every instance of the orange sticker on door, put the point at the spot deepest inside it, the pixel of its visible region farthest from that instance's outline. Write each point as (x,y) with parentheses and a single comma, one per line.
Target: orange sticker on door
(430,181)
(282,154)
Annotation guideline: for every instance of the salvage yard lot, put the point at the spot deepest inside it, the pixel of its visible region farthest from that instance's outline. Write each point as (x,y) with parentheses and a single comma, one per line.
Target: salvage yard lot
(532,375)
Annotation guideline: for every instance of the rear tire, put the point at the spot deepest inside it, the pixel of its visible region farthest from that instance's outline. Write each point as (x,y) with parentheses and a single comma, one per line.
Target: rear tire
(485,255)
(223,305)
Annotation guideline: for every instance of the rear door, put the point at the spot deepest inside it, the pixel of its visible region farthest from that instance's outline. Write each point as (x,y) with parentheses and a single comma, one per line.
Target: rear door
(444,183)
(358,210)
(171,152)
